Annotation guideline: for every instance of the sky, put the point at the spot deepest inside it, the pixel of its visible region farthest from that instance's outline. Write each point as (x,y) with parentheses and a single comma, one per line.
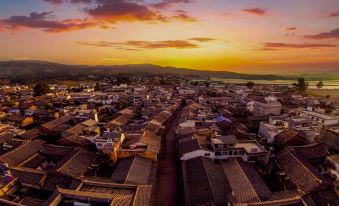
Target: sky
(247,36)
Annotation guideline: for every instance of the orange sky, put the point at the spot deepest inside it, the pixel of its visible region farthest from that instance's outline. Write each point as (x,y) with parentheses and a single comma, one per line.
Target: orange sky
(252,36)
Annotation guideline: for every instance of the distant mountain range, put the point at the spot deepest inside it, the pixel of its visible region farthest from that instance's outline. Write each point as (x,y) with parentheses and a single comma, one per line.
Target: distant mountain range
(39,70)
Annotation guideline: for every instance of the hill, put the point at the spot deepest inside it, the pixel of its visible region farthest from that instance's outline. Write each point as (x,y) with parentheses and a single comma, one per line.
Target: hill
(41,70)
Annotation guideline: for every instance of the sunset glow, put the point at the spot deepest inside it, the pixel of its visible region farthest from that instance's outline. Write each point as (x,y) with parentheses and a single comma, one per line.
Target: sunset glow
(252,36)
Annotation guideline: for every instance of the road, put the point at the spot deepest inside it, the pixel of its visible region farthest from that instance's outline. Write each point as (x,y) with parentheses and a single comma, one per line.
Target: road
(167,191)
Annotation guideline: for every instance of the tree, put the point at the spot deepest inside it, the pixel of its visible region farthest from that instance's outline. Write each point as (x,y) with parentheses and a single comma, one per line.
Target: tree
(250,84)
(302,85)
(320,85)
(41,89)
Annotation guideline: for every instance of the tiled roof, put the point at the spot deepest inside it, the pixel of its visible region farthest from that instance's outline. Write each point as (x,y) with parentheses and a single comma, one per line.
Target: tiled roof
(320,198)
(77,129)
(139,171)
(229,139)
(57,122)
(188,146)
(153,141)
(196,183)
(4,138)
(312,151)
(331,140)
(151,127)
(34,162)
(289,135)
(89,123)
(245,190)
(22,153)
(334,158)
(102,190)
(56,150)
(299,171)
(74,140)
(30,201)
(89,195)
(123,201)
(161,117)
(28,176)
(55,180)
(256,181)
(77,164)
(30,134)
(142,196)
(121,170)
(217,180)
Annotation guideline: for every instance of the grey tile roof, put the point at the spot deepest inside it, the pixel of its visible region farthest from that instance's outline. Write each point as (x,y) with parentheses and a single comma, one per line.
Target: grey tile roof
(139,171)
(196,183)
(77,164)
(302,174)
(245,190)
(22,153)
(121,170)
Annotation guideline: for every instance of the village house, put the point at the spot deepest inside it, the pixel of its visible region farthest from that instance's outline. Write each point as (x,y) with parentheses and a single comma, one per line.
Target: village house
(320,118)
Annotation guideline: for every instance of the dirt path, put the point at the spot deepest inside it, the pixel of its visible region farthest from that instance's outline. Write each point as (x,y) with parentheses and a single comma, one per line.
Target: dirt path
(167,191)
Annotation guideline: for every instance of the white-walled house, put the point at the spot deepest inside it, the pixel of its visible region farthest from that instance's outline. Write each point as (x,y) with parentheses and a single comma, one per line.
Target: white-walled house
(266,108)
(250,106)
(223,147)
(321,118)
(187,123)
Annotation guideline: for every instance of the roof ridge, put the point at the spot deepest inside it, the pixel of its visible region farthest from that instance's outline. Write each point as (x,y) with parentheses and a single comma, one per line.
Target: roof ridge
(242,171)
(295,157)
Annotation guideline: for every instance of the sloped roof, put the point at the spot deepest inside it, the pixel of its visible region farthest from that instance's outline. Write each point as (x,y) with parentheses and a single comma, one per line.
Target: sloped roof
(302,174)
(22,153)
(142,196)
(139,171)
(334,158)
(312,151)
(57,122)
(30,134)
(31,201)
(161,117)
(196,183)
(121,170)
(89,123)
(75,140)
(289,135)
(188,146)
(28,176)
(153,141)
(56,150)
(246,183)
(320,198)
(77,164)
(331,140)
(217,180)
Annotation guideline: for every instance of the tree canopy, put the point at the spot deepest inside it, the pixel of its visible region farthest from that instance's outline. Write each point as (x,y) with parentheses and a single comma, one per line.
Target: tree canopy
(250,84)
(41,89)
(320,84)
(301,85)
